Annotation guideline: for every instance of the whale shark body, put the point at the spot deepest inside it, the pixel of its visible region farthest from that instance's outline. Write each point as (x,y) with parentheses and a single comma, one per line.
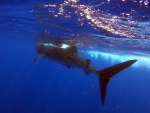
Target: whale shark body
(68,55)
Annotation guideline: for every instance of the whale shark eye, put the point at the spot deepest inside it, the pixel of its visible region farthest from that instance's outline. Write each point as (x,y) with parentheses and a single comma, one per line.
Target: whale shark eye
(64,46)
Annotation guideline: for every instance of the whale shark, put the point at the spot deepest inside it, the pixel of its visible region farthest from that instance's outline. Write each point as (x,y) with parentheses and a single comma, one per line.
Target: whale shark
(67,55)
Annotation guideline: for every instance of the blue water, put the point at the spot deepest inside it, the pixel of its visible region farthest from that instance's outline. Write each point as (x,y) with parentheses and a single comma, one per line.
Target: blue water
(49,87)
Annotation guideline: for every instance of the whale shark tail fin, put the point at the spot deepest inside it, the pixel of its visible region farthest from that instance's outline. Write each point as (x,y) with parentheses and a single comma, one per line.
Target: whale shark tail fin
(106,74)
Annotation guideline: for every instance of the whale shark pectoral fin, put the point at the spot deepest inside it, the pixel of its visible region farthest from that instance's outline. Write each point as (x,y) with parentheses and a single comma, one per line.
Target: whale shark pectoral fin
(87,72)
(68,66)
(106,74)
(37,57)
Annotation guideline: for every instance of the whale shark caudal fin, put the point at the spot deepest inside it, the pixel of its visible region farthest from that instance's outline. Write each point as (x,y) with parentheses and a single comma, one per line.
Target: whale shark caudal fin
(106,74)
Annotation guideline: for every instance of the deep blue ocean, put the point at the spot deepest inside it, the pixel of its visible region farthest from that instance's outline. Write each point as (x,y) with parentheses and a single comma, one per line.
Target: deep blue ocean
(106,31)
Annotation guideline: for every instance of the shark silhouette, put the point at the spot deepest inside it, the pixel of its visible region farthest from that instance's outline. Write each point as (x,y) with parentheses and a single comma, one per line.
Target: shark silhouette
(67,55)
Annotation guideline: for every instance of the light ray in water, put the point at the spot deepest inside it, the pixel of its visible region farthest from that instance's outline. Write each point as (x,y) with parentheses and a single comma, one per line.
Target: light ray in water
(143,61)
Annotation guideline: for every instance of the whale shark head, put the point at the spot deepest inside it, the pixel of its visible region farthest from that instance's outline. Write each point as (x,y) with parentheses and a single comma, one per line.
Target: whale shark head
(44,47)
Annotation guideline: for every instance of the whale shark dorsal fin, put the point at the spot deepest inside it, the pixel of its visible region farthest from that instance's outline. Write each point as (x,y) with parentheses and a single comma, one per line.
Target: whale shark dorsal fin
(37,57)
(88,61)
(71,49)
